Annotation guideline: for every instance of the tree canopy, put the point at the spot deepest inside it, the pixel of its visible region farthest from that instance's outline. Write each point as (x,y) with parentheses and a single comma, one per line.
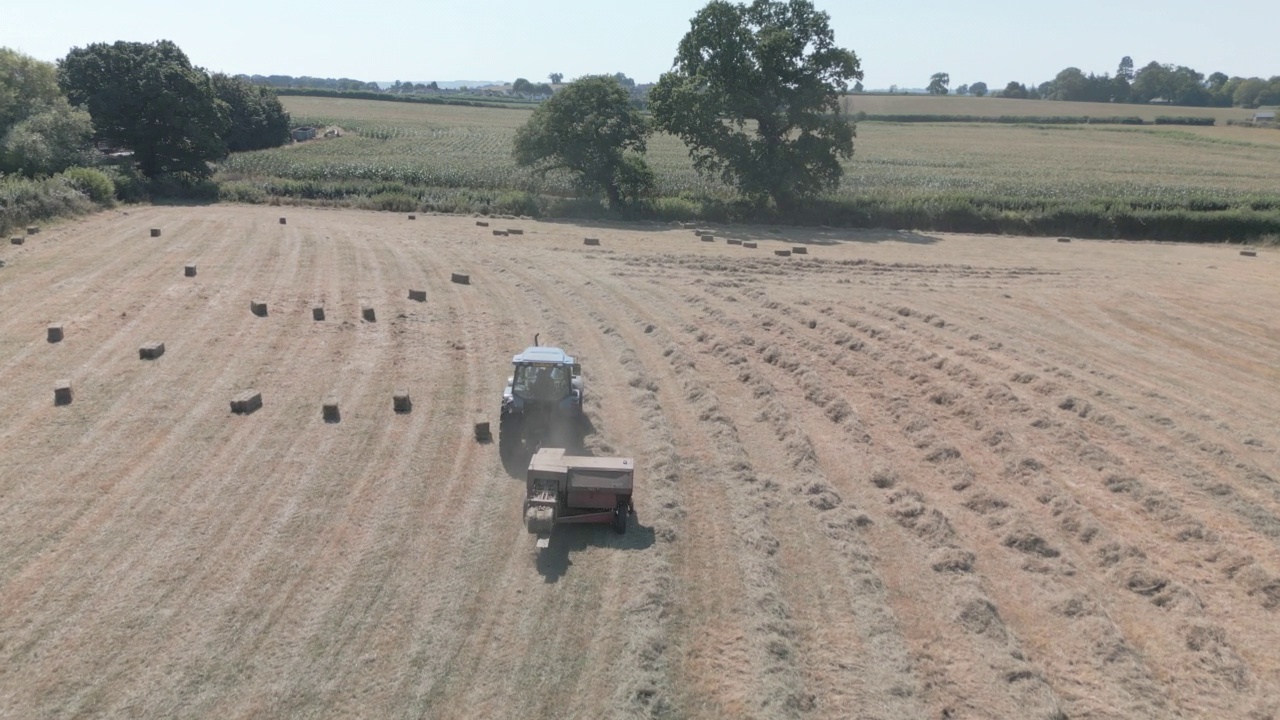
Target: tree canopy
(40,132)
(755,94)
(590,129)
(148,97)
(938,83)
(257,119)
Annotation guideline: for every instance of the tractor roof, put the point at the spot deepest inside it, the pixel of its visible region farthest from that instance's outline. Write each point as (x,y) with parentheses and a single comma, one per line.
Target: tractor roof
(543,355)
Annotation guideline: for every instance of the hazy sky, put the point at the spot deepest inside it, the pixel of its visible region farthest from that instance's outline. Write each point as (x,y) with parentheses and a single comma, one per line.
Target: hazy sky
(899,43)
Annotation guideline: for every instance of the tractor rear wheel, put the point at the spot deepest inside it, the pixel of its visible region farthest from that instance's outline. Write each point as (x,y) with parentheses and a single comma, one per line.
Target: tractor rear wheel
(620,516)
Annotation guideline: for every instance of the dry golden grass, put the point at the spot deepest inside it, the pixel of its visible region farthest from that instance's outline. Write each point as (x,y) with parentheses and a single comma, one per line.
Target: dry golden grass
(903,475)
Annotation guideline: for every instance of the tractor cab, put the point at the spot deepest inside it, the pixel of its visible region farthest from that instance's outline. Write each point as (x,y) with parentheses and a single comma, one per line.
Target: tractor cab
(544,375)
(542,401)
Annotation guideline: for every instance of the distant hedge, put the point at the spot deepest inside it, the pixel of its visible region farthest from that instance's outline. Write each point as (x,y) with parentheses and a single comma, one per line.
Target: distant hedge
(1007,119)
(1183,120)
(370,95)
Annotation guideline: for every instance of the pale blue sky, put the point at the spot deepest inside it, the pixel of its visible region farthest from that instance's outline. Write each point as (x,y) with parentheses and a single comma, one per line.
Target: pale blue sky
(899,43)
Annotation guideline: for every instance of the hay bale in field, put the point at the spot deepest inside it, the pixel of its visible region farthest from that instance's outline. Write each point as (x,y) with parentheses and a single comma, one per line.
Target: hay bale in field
(1064,239)
(749,245)
(151,351)
(707,238)
(482,432)
(419,295)
(501,233)
(329,410)
(155,232)
(1249,253)
(62,392)
(367,313)
(283,221)
(17,240)
(400,401)
(55,333)
(514,231)
(258,307)
(481,223)
(700,233)
(317,312)
(189,270)
(413,217)
(246,402)
(733,241)
(32,230)
(800,250)
(782,253)
(460,279)
(590,241)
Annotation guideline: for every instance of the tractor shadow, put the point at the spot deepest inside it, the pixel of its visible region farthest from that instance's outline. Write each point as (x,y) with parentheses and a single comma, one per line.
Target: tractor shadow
(554,561)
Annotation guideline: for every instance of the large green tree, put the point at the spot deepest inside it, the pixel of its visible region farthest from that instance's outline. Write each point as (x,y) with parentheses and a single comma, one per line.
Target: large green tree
(257,119)
(590,129)
(755,94)
(938,83)
(40,132)
(148,97)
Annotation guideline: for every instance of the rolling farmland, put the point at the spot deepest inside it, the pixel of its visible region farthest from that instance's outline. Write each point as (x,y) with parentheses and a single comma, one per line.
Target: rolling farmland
(441,151)
(905,475)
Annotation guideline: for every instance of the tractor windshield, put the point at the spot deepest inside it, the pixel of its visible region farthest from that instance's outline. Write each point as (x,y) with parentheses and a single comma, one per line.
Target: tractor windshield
(541,382)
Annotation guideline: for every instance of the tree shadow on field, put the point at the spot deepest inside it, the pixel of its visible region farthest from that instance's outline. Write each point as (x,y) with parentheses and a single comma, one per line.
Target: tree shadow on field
(792,234)
(554,561)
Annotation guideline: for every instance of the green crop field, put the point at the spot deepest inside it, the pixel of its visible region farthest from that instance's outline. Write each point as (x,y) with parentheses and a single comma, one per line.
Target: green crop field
(875,104)
(1100,180)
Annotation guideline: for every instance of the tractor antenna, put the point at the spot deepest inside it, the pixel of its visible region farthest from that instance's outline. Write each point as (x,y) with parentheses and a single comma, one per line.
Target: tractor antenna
(535,339)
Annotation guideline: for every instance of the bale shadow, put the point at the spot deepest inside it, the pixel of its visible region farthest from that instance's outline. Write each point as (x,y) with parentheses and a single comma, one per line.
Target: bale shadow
(554,561)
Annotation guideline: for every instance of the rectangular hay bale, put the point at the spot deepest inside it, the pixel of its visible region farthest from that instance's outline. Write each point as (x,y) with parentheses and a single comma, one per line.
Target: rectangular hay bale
(329,410)
(800,250)
(481,223)
(413,217)
(258,307)
(1249,253)
(419,295)
(707,238)
(782,253)
(514,231)
(283,221)
(155,232)
(400,401)
(151,351)
(460,279)
(733,241)
(482,432)
(591,241)
(317,312)
(189,270)
(749,245)
(500,233)
(17,240)
(367,313)
(62,392)
(1064,239)
(33,229)
(55,332)
(246,402)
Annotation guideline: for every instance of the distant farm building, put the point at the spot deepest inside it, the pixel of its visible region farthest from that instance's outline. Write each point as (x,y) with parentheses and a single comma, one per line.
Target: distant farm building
(1264,117)
(304,133)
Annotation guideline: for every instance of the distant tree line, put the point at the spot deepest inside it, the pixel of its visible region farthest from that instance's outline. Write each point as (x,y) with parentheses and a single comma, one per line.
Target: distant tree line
(171,119)
(289,81)
(1154,82)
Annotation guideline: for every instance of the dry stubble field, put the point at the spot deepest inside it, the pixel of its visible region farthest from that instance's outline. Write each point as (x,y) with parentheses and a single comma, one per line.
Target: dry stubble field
(905,476)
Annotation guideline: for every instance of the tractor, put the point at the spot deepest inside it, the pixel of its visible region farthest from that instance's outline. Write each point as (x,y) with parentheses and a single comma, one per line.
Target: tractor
(542,402)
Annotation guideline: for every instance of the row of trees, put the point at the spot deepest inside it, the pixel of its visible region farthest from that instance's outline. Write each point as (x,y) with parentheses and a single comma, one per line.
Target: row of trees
(145,98)
(754,93)
(1176,85)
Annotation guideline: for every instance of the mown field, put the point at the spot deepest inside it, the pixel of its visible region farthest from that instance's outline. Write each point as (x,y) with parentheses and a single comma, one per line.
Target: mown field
(1102,181)
(902,476)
